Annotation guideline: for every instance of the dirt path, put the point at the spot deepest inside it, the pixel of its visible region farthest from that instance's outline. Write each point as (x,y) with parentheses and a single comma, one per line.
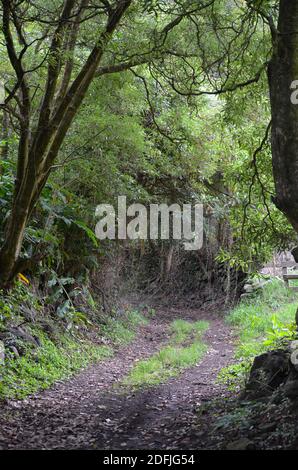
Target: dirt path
(89,412)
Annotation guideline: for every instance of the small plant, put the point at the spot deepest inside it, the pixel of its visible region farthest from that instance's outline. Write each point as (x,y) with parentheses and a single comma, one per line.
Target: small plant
(151,312)
(238,418)
(122,330)
(235,376)
(13,302)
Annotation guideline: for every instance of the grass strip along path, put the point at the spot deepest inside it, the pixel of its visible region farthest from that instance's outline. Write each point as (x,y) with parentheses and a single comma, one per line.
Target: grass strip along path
(185,349)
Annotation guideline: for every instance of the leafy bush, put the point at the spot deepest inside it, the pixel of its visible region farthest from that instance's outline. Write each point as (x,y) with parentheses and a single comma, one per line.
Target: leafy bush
(263,322)
(13,302)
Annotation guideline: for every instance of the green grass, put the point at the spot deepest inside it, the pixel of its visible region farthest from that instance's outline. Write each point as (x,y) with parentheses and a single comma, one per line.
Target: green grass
(263,322)
(181,330)
(172,359)
(52,361)
(123,331)
(32,372)
(268,316)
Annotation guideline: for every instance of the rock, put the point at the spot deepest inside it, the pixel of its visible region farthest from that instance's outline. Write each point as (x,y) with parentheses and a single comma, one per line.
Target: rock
(252,286)
(248,289)
(27,337)
(295,253)
(2,352)
(291,389)
(14,350)
(241,444)
(260,284)
(268,372)
(277,397)
(243,296)
(293,345)
(293,348)
(267,427)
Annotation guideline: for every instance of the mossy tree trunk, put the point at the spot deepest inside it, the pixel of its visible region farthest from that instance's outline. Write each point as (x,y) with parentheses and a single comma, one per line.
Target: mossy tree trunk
(39,144)
(282,73)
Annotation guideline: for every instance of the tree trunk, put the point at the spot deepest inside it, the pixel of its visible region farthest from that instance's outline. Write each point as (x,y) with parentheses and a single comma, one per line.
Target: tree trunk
(24,199)
(38,149)
(4,137)
(282,72)
(10,250)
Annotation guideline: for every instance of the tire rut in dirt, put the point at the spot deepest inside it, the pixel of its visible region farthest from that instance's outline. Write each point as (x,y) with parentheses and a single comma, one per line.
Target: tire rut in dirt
(89,412)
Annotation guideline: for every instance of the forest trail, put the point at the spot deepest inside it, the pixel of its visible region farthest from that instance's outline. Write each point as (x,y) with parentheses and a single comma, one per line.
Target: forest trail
(91,410)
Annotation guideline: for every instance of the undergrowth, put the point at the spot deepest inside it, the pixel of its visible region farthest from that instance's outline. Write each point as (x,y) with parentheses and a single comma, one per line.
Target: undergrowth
(60,351)
(170,360)
(39,370)
(122,331)
(264,322)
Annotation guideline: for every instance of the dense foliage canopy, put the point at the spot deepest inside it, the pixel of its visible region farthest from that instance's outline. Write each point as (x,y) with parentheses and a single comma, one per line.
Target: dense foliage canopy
(163,101)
